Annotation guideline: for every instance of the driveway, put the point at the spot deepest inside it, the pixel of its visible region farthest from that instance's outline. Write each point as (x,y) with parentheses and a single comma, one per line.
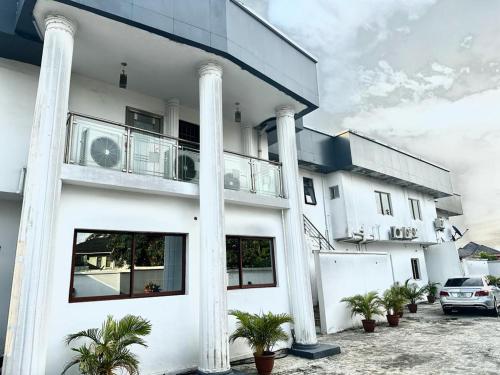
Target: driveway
(425,343)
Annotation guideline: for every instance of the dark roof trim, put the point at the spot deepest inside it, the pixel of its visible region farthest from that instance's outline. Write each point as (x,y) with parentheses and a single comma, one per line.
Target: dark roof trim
(273,29)
(387,146)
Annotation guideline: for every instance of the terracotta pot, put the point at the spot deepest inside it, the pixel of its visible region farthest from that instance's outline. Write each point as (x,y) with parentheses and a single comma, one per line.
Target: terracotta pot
(264,363)
(368,325)
(431,298)
(412,307)
(393,320)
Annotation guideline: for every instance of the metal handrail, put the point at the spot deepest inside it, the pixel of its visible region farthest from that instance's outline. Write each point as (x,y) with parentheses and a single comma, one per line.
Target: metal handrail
(313,232)
(179,144)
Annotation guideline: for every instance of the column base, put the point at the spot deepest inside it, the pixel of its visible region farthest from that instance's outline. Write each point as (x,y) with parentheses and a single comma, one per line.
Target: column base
(314,351)
(230,372)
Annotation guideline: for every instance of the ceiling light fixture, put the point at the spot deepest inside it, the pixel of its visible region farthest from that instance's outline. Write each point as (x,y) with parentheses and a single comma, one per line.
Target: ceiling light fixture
(237,113)
(123,77)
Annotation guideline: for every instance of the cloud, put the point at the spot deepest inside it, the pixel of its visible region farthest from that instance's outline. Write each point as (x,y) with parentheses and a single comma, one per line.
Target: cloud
(420,74)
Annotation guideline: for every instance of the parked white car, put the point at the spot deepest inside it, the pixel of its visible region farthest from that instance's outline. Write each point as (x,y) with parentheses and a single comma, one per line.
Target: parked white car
(469,292)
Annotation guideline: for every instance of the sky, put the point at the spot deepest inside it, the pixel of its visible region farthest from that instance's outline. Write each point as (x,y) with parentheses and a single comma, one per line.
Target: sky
(423,75)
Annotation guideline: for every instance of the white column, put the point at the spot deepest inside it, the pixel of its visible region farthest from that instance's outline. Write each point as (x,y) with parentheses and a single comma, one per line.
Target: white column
(171,126)
(214,347)
(247,140)
(26,343)
(297,253)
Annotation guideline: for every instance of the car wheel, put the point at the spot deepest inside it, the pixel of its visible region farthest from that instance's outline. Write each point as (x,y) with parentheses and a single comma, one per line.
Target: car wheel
(494,310)
(447,311)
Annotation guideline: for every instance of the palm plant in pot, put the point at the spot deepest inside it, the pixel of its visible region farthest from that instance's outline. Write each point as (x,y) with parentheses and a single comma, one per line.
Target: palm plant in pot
(413,293)
(367,305)
(108,352)
(262,332)
(393,302)
(431,289)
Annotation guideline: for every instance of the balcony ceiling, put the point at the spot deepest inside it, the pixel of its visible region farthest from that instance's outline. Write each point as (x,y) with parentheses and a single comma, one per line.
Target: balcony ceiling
(161,67)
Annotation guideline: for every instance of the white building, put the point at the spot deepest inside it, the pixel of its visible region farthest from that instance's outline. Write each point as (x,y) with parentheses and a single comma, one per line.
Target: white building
(159,198)
(384,211)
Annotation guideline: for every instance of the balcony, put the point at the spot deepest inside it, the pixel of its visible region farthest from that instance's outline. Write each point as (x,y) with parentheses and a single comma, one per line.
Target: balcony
(97,143)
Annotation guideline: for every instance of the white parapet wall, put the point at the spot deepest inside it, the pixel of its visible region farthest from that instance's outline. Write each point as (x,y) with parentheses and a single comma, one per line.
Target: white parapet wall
(494,267)
(442,262)
(343,274)
(475,267)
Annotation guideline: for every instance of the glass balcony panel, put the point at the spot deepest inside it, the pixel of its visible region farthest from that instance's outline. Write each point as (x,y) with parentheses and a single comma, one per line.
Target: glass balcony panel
(189,164)
(237,172)
(98,144)
(152,154)
(267,178)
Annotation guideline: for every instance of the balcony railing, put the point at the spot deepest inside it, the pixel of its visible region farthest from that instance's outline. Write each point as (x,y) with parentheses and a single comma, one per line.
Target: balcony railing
(94,142)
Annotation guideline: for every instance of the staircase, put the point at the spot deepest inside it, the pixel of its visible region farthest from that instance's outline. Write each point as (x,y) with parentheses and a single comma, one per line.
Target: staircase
(316,239)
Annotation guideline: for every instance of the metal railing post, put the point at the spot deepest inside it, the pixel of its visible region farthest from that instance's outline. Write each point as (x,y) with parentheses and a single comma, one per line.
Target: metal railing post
(69,140)
(252,176)
(281,193)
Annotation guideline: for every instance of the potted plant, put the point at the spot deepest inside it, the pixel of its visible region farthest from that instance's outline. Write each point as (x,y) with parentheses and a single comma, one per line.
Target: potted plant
(262,332)
(151,287)
(413,293)
(431,290)
(393,302)
(367,305)
(399,291)
(108,350)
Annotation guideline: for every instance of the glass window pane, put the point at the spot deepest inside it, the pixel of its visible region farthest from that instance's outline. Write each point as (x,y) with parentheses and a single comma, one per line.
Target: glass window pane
(158,263)
(378,200)
(386,204)
(257,261)
(102,264)
(233,261)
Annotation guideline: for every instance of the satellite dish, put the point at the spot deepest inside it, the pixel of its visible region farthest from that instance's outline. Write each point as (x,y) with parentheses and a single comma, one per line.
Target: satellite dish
(105,152)
(457,231)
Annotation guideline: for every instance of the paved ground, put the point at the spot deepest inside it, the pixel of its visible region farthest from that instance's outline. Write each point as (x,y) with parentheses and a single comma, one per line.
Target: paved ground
(425,343)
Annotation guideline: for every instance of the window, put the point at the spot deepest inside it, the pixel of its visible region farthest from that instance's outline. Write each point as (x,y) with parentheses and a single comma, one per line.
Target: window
(464,281)
(383,200)
(309,195)
(334,192)
(416,214)
(135,265)
(190,133)
(144,120)
(250,262)
(415,268)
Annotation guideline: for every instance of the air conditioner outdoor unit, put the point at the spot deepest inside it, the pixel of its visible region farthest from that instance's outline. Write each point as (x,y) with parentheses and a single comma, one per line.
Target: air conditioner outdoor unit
(414,232)
(396,233)
(189,165)
(148,154)
(232,180)
(407,233)
(439,223)
(101,148)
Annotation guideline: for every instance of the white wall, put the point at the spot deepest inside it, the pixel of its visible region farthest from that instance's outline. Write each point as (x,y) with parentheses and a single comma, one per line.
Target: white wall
(475,267)
(343,275)
(87,96)
(442,262)
(174,340)
(319,213)
(494,268)
(10,213)
(17,102)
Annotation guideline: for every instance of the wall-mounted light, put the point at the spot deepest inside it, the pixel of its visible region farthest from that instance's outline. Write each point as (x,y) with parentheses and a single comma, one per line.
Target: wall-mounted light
(123,77)
(237,113)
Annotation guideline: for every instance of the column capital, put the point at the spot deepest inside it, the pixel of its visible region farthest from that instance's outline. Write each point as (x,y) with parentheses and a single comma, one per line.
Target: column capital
(56,21)
(210,68)
(285,110)
(172,102)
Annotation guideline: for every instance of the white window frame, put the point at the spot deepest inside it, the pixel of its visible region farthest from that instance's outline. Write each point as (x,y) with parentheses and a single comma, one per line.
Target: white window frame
(415,214)
(381,209)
